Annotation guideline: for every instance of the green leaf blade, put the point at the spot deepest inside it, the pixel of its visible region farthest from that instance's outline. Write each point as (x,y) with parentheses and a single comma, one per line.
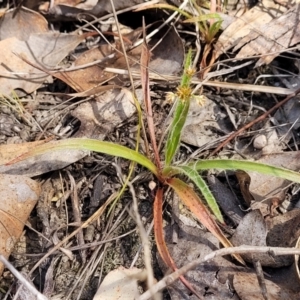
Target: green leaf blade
(231,164)
(174,134)
(205,191)
(92,145)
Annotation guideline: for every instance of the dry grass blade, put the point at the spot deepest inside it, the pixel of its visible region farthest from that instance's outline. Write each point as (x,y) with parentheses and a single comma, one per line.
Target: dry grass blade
(145,58)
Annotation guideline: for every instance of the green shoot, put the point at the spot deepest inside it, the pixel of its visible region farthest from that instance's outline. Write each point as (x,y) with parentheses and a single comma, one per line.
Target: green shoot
(183,97)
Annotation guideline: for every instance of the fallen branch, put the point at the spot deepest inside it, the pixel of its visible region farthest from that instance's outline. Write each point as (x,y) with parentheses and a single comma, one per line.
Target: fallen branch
(169,279)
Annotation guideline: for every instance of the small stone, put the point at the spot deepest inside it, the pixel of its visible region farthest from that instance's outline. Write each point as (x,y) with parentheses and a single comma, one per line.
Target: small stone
(260,141)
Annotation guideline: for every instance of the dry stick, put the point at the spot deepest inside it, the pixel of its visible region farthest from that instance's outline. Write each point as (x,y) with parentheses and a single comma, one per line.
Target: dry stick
(76,214)
(169,279)
(220,84)
(261,279)
(260,118)
(22,279)
(145,241)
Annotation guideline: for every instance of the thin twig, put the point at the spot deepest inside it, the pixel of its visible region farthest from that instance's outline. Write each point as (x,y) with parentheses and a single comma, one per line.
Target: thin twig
(169,279)
(76,214)
(22,279)
(260,118)
(224,85)
(145,58)
(145,242)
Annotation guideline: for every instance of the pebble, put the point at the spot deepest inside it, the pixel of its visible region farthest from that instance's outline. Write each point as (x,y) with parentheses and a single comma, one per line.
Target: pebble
(260,141)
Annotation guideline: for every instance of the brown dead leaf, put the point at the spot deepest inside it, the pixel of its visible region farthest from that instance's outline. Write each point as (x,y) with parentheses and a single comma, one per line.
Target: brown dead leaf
(44,50)
(28,20)
(107,56)
(247,287)
(87,78)
(26,38)
(167,58)
(18,196)
(276,36)
(280,231)
(88,8)
(261,14)
(11,151)
(265,186)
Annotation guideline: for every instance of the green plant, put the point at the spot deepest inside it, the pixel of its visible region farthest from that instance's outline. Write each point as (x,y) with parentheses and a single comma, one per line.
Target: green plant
(167,172)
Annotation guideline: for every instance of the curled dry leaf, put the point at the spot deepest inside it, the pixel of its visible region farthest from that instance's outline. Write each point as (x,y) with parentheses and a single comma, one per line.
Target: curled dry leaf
(18,196)
(244,183)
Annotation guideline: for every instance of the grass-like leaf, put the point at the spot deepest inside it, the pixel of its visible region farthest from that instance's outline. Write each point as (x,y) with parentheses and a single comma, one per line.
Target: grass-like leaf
(231,164)
(203,18)
(205,191)
(92,145)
